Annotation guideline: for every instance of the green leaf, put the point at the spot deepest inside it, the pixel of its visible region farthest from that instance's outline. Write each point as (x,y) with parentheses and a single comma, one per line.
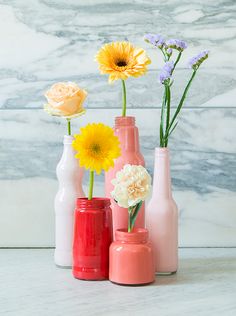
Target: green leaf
(173,129)
(135,213)
(181,101)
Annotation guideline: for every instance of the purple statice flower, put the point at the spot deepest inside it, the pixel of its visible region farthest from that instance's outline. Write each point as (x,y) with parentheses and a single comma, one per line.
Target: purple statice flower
(166,71)
(176,44)
(169,66)
(169,51)
(196,61)
(164,75)
(154,39)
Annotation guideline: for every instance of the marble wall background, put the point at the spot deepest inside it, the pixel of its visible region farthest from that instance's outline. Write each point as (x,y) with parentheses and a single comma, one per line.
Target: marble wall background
(47,41)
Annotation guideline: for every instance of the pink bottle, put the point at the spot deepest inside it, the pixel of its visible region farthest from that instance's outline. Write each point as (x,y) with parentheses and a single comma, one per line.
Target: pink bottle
(128,135)
(162,216)
(131,258)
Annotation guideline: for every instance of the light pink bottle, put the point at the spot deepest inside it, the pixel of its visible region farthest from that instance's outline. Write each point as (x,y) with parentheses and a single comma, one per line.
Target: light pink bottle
(128,135)
(162,216)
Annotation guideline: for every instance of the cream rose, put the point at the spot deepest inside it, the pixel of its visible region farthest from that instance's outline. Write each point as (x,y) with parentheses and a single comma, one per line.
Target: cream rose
(65,99)
(131,185)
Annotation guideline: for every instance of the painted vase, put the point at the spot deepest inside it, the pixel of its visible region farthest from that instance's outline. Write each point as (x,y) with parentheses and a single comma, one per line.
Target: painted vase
(92,238)
(128,135)
(162,216)
(131,258)
(70,177)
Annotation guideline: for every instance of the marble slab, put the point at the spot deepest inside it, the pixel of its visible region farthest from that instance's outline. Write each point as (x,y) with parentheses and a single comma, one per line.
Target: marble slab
(203,152)
(32,285)
(60,42)
(45,41)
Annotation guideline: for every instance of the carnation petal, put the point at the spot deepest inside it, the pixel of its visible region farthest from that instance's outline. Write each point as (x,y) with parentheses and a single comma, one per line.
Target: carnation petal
(131,185)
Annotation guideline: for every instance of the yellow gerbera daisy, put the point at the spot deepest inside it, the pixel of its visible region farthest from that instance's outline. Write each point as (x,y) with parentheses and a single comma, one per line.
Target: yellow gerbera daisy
(121,60)
(96,147)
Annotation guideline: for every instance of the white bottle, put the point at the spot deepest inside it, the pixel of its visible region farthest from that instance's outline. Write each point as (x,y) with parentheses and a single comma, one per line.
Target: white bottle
(70,177)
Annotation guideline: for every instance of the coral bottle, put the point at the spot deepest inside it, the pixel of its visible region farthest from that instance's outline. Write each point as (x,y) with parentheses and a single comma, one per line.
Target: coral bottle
(128,135)
(70,177)
(162,216)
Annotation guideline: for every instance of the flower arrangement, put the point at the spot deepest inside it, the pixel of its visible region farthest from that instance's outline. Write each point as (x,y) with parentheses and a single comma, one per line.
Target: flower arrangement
(65,99)
(167,48)
(121,60)
(96,148)
(131,187)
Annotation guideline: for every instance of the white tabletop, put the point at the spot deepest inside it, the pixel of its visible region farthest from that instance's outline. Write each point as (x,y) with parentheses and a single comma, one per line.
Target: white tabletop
(31,285)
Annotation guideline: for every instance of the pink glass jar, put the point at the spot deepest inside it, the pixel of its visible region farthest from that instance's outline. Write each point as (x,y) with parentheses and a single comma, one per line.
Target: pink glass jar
(128,134)
(92,238)
(131,258)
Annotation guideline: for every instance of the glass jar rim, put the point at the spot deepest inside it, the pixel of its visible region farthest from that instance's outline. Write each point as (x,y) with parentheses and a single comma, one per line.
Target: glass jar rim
(95,202)
(138,235)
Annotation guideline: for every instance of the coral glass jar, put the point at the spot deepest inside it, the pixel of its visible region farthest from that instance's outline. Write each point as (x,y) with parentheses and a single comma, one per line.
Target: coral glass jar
(92,238)
(131,258)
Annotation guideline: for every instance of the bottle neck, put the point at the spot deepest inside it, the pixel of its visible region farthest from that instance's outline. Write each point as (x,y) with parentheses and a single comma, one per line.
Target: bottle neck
(68,139)
(127,133)
(121,121)
(162,178)
(68,150)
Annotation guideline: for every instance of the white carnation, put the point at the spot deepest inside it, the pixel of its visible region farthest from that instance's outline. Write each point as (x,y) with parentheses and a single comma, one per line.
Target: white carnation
(131,185)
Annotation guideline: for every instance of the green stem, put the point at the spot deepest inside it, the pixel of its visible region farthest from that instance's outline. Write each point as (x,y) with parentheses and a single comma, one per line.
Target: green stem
(181,101)
(177,60)
(124,98)
(162,120)
(91,181)
(132,215)
(168,98)
(165,57)
(68,127)
(129,219)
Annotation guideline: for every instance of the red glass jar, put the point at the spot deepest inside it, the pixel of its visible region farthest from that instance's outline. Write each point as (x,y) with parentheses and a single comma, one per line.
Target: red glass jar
(92,238)
(131,258)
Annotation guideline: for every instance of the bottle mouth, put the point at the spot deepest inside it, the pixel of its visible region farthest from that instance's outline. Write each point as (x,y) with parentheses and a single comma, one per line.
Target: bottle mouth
(138,235)
(96,202)
(125,121)
(68,139)
(161,151)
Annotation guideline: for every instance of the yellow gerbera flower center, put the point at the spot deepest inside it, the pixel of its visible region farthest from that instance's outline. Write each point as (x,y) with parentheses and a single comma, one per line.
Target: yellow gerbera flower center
(121,63)
(96,147)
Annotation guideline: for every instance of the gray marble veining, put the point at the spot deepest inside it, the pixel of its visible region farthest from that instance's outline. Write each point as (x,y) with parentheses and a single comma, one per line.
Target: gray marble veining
(62,38)
(45,41)
(195,149)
